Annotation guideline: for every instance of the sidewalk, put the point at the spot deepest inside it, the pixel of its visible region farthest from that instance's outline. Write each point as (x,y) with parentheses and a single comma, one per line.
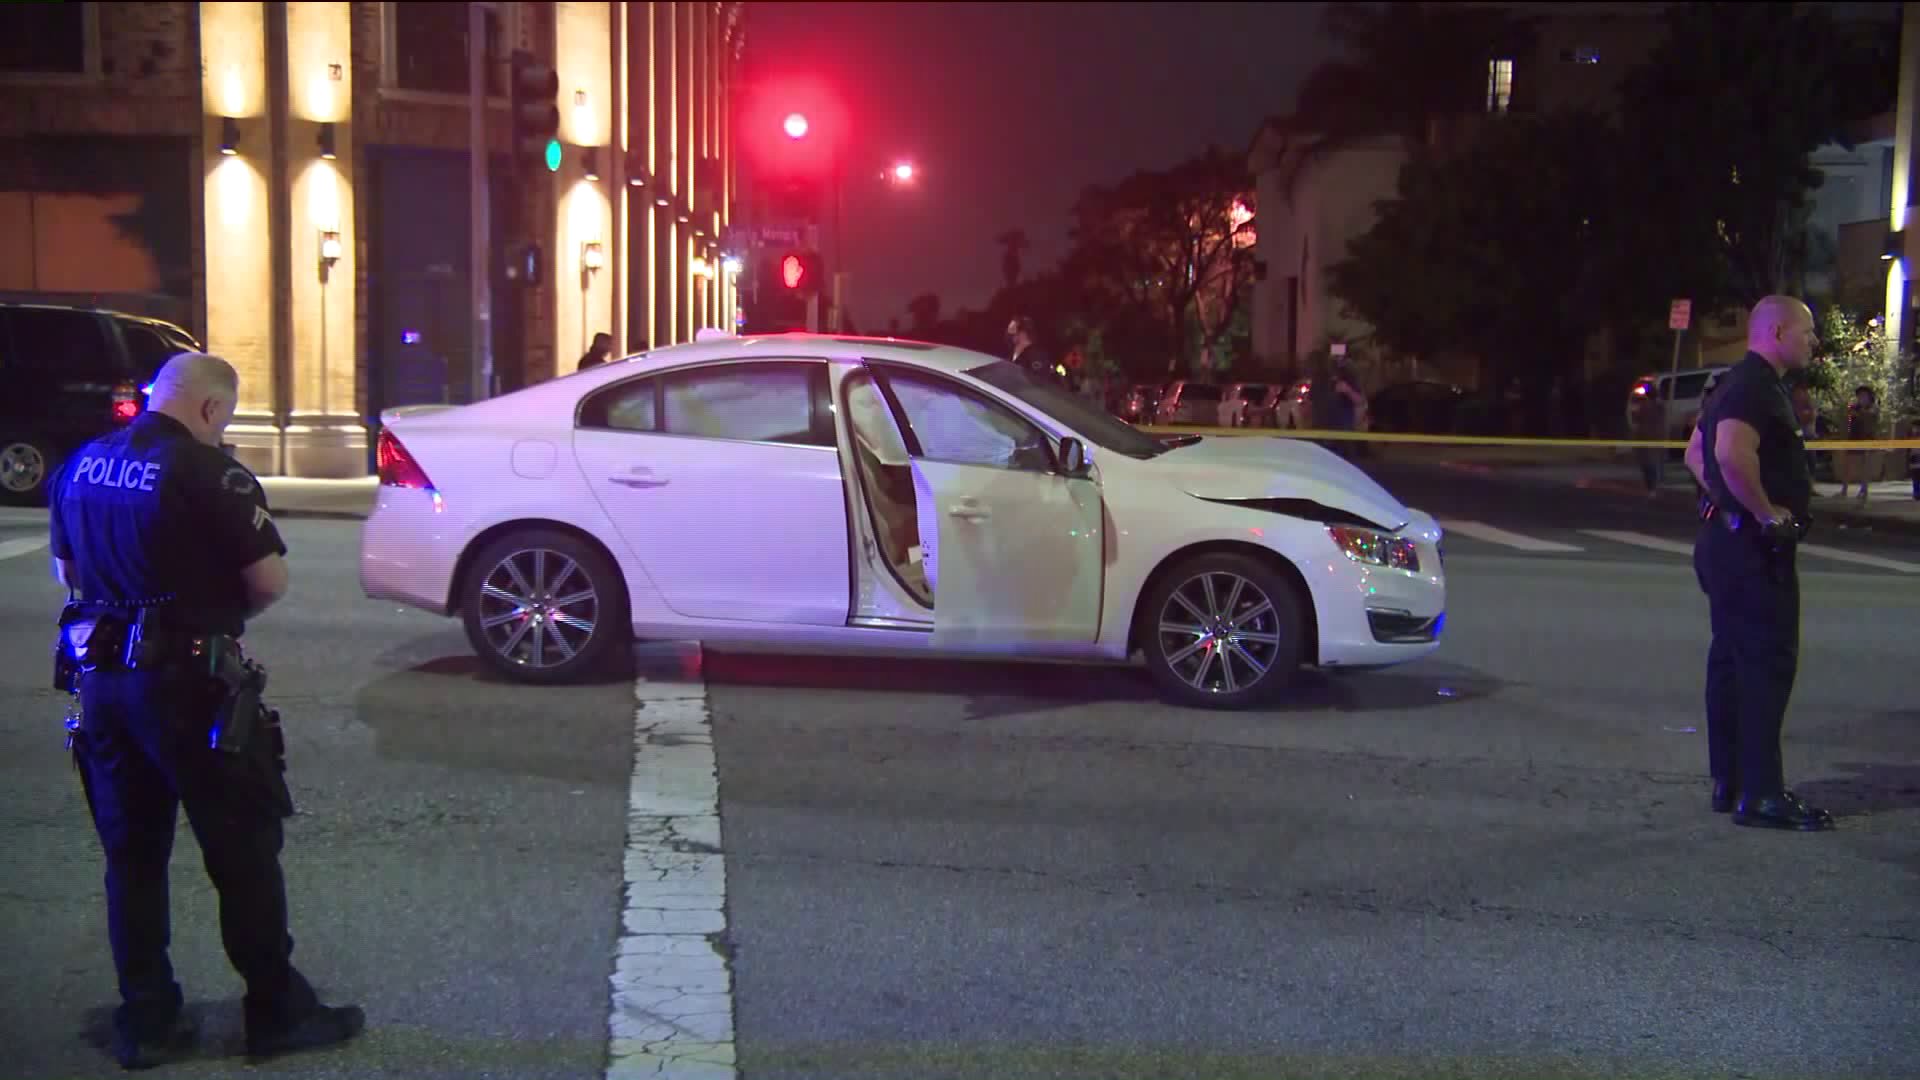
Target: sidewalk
(1890,507)
(298,497)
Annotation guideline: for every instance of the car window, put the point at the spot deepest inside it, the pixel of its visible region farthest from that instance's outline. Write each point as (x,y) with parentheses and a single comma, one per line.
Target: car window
(146,350)
(1690,386)
(627,406)
(953,425)
(71,344)
(1087,419)
(782,402)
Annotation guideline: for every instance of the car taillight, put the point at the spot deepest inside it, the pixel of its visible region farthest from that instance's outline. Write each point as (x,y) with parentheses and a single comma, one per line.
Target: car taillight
(126,402)
(397,467)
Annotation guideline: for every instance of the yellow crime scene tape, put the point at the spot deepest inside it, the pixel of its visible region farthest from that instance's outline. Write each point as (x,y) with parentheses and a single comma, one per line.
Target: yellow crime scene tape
(1499,440)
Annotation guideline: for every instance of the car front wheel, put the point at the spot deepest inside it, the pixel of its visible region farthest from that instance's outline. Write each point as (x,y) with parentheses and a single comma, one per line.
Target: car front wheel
(26,465)
(1223,631)
(543,606)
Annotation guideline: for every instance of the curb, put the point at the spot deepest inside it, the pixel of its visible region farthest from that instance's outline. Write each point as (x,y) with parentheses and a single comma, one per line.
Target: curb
(1848,518)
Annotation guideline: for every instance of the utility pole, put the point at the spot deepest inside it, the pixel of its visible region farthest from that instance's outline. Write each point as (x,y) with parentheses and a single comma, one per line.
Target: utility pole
(480,268)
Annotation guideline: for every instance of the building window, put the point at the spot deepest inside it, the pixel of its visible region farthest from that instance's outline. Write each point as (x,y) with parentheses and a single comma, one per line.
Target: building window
(45,39)
(428,49)
(1499,85)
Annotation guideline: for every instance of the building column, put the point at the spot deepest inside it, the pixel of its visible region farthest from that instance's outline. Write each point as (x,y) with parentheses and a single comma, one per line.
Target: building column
(240,300)
(683,169)
(324,435)
(666,185)
(1906,122)
(583,295)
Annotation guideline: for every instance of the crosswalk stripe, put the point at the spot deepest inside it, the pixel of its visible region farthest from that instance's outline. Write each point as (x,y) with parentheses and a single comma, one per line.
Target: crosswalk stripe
(1824,552)
(1481,531)
(1673,547)
(24,545)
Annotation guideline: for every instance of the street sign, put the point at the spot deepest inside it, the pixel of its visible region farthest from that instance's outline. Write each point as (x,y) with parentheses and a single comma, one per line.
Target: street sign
(1680,314)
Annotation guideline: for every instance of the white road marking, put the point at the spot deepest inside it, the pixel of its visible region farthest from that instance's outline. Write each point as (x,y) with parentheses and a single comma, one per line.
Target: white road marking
(25,545)
(1491,535)
(1823,552)
(672,999)
(1674,547)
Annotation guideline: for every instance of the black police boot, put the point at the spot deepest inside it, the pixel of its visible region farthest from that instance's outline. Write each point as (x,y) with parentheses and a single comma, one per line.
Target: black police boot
(1782,811)
(321,1026)
(139,1045)
(1723,796)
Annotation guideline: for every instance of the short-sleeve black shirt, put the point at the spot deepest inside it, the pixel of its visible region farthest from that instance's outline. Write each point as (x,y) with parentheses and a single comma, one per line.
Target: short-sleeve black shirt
(149,512)
(1752,392)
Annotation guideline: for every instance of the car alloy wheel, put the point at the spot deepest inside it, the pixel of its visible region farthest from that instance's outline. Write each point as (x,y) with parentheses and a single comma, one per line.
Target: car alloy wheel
(543,606)
(1225,632)
(23,469)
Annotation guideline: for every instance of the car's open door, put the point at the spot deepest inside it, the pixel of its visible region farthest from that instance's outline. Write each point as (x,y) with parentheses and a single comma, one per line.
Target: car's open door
(1018,555)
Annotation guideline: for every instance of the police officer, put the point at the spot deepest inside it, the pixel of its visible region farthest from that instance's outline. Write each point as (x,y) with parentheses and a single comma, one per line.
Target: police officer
(153,522)
(1748,457)
(1029,353)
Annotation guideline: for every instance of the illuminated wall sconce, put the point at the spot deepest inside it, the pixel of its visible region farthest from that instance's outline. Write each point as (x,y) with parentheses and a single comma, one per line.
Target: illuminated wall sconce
(685,217)
(1896,245)
(662,200)
(327,151)
(698,266)
(637,170)
(592,256)
(590,163)
(229,136)
(329,247)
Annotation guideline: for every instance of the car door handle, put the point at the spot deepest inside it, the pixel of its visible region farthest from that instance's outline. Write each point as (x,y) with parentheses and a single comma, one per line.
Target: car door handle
(968,510)
(640,479)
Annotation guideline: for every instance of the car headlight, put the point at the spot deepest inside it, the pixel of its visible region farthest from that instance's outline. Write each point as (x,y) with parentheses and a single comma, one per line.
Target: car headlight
(1376,548)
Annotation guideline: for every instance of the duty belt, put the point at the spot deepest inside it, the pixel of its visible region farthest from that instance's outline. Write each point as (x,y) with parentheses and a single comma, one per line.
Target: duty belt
(102,637)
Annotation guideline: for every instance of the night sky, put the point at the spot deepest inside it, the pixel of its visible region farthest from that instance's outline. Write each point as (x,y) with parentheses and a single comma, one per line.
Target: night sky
(1010,109)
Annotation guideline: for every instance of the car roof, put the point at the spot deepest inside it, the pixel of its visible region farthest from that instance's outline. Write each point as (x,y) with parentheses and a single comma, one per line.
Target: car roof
(800,346)
(150,320)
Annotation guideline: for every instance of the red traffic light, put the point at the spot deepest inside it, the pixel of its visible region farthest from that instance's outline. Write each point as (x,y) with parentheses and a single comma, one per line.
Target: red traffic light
(792,271)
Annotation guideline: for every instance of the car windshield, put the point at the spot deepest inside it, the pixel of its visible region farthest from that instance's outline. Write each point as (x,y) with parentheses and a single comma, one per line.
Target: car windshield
(1090,421)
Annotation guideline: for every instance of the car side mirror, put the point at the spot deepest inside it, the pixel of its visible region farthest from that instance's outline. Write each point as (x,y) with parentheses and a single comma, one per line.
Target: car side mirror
(1073,459)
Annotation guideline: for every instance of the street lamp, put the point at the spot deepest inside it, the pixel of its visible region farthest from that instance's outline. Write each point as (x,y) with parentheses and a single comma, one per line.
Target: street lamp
(795,125)
(903,172)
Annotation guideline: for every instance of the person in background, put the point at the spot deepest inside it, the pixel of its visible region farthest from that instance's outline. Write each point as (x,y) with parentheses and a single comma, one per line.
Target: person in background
(1028,353)
(597,353)
(1650,425)
(1863,421)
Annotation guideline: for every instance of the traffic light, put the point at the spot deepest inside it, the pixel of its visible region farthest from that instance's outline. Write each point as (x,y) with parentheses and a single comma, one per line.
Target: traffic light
(799,272)
(535,92)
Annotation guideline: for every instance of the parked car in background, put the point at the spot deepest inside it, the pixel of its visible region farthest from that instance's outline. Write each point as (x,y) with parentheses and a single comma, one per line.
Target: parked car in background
(1189,402)
(1687,389)
(70,376)
(1139,403)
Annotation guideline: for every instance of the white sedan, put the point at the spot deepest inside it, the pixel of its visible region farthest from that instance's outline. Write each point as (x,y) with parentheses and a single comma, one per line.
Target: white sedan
(812,493)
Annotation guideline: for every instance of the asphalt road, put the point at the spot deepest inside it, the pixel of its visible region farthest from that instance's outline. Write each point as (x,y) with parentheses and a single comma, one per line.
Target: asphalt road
(1496,862)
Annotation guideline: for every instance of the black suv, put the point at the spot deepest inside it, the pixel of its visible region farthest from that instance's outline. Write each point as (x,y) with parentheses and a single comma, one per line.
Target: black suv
(68,376)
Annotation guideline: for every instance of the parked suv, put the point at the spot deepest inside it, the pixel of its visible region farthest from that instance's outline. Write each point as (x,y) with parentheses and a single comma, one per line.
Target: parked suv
(70,375)
(1688,389)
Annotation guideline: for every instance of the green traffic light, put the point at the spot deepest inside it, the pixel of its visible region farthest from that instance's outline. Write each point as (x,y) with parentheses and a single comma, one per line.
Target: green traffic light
(553,155)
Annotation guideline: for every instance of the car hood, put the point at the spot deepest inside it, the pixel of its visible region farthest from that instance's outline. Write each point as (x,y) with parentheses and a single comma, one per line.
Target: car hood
(1273,467)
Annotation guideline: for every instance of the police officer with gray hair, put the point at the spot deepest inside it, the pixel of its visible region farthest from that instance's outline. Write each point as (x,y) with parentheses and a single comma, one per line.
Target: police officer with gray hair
(1751,463)
(166,547)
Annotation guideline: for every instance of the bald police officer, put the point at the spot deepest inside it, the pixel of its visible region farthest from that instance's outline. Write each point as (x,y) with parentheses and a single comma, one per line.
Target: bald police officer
(1748,457)
(154,525)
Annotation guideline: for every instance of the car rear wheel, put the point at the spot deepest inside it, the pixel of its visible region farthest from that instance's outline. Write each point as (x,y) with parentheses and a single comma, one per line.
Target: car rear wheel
(543,606)
(1223,631)
(25,467)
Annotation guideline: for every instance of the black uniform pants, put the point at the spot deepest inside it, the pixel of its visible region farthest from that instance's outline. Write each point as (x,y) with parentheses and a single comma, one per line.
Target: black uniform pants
(143,754)
(1753,594)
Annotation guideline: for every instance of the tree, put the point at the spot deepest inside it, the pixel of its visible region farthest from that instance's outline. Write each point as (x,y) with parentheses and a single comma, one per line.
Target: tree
(1718,126)
(1491,250)
(1012,243)
(1174,246)
(1854,352)
(1405,64)
(925,311)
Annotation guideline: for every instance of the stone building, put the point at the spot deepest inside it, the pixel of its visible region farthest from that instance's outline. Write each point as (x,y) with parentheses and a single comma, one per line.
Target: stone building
(290,182)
